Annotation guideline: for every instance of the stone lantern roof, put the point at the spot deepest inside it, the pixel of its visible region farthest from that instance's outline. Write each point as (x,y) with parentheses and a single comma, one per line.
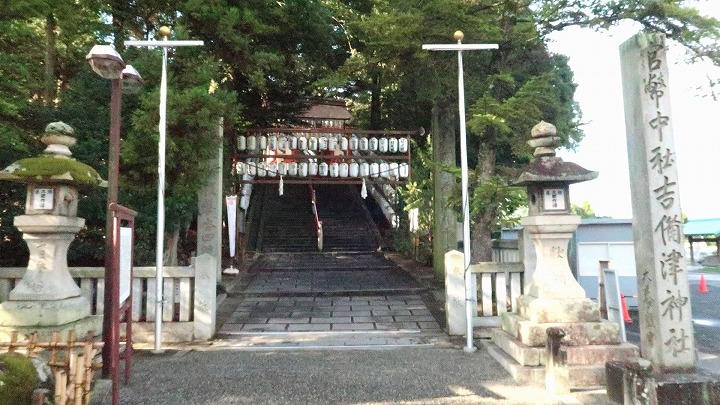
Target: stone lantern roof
(55,165)
(546,167)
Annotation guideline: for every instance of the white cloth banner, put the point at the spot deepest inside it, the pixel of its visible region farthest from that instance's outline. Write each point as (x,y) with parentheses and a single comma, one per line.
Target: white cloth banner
(231,203)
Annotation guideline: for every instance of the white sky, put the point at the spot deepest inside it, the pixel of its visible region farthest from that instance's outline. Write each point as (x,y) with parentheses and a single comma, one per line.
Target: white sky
(595,60)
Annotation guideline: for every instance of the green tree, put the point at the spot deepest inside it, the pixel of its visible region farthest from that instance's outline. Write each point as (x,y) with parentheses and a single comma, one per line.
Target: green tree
(584,210)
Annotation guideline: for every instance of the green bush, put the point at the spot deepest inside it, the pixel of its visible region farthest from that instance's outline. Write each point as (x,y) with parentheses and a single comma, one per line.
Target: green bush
(18,379)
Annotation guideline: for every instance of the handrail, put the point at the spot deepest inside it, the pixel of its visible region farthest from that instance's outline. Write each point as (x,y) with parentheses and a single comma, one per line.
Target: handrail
(318,223)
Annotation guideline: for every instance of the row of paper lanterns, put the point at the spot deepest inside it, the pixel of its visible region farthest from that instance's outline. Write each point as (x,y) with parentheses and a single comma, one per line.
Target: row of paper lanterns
(323,169)
(330,142)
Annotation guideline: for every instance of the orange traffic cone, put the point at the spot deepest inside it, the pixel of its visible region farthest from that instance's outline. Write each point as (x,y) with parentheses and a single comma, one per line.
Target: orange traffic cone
(625,312)
(703,285)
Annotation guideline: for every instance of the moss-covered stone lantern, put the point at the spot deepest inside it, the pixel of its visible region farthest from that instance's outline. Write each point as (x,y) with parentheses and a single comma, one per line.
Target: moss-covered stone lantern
(47,295)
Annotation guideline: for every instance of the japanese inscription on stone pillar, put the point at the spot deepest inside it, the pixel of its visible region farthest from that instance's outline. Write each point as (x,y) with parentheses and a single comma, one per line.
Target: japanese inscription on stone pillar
(664,299)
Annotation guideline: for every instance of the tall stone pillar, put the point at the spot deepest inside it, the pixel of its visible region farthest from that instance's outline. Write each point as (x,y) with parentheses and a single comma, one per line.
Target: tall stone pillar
(210,202)
(667,338)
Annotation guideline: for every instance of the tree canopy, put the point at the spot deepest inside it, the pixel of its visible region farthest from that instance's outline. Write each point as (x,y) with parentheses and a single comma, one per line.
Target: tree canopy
(263,58)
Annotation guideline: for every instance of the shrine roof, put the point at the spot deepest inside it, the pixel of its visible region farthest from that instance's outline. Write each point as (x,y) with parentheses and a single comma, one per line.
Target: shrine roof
(699,227)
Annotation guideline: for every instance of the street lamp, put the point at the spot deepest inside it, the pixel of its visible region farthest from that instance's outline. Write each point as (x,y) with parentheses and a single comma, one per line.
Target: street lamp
(469,288)
(108,63)
(162,128)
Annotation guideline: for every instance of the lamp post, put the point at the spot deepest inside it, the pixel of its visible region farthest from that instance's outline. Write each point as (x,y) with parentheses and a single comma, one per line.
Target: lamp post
(107,63)
(459,47)
(162,128)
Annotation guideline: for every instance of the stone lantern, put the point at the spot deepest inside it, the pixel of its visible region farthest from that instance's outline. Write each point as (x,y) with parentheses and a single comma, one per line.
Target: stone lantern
(553,299)
(47,297)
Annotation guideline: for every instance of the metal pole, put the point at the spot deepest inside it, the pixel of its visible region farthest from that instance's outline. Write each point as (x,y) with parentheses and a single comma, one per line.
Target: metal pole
(469,347)
(164,44)
(161,207)
(110,302)
(467,275)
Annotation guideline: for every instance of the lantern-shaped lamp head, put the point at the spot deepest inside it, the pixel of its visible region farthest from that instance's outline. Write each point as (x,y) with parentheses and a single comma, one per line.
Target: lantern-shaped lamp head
(547,177)
(106,62)
(131,80)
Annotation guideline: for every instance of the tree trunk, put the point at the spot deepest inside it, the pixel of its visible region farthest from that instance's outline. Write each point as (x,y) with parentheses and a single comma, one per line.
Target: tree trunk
(444,234)
(50,56)
(171,243)
(375,103)
(484,221)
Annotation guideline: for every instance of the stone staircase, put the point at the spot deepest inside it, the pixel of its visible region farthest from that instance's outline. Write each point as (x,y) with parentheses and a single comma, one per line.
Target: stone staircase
(286,222)
(347,223)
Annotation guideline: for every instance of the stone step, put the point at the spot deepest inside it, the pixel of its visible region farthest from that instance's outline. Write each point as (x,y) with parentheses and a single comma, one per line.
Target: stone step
(581,376)
(326,339)
(576,355)
(577,333)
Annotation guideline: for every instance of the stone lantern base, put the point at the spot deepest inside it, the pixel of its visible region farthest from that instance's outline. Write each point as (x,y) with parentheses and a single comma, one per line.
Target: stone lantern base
(554,299)
(45,317)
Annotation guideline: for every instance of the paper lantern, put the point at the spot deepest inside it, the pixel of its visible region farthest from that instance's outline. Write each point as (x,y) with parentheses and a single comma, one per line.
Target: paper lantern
(323,143)
(402,145)
(282,142)
(334,169)
(252,143)
(374,169)
(344,169)
(302,169)
(302,142)
(363,144)
(292,142)
(272,142)
(385,170)
(240,168)
(332,143)
(354,143)
(261,169)
(313,143)
(323,169)
(293,169)
(395,170)
(252,168)
(364,169)
(404,170)
(343,143)
(282,169)
(354,169)
(241,142)
(262,142)
(271,169)
(312,169)
(392,145)
(373,143)
(383,145)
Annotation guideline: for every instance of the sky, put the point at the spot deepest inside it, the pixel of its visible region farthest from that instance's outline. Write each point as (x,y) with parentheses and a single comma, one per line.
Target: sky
(595,61)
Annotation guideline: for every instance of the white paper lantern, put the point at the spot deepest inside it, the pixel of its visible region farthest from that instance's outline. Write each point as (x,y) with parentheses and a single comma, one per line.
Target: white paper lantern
(323,143)
(383,145)
(292,142)
(354,143)
(404,170)
(302,169)
(282,169)
(241,142)
(344,169)
(402,145)
(373,143)
(332,143)
(312,143)
(252,143)
(293,169)
(394,170)
(354,169)
(252,168)
(272,142)
(282,142)
(343,143)
(374,169)
(385,170)
(392,145)
(334,169)
(261,170)
(323,169)
(312,169)
(302,142)
(364,169)
(271,169)
(262,142)
(240,168)
(363,144)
